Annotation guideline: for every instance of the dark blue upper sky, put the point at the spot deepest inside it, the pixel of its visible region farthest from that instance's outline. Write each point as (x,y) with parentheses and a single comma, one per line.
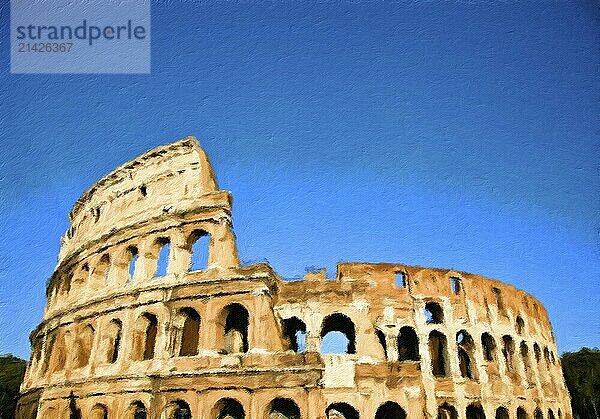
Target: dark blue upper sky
(447,134)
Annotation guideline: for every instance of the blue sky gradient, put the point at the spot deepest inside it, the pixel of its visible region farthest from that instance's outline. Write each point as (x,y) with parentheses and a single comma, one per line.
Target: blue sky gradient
(462,135)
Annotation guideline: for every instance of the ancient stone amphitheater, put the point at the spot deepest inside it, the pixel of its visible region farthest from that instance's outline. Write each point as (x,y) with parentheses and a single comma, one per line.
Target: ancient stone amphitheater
(151,315)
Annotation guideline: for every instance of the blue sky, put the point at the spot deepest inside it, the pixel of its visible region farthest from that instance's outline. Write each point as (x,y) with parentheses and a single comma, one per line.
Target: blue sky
(449,134)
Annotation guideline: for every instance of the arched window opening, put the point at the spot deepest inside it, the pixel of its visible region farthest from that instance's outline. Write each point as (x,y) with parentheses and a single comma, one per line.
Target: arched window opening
(537,353)
(524,351)
(132,254)
(190,333)
(138,410)
(228,409)
(198,244)
(521,413)
(551,414)
(164,250)
(508,351)
(408,344)
(236,328)
(547,358)
(438,352)
(434,313)
(179,410)
(114,340)
(83,346)
(103,269)
(552,357)
(145,337)
(59,352)
(475,411)
(284,409)
(502,413)
(466,355)
(99,411)
(499,300)
(81,275)
(447,411)
(537,413)
(464,362)
(559,413)
(390,410)
(341,342)
(341,411)
(51,342)
(151,331)
(74,411)
(400,279)
(294,331)
(456,285)
(520,325)
(489,347)
(381,339)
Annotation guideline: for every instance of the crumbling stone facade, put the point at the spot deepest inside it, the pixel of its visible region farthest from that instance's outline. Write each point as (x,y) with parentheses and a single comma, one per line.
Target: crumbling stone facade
(126,335)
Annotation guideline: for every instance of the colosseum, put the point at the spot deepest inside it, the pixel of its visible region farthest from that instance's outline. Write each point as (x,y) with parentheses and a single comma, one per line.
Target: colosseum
(151,315)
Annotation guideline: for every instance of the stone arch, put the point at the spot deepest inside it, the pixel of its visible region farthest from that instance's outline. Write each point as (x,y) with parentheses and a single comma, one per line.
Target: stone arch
(228,408)
(537,352)
(146,330)
(502,413)
(537,413)
(475,411)
(99,411)
(466,355)
(338,322)
(177,409)
(438,352)
(341,411)
(102,270)
(489,347)
(235,320)
(137,410)
(390,410)
(522,413)
(199,244)
(58,357)
(294,331)
(161,251)
(190,331)
(83,346)
(114,332)
(434,314)
(408,344)
(547,357)
(551,414)
(50,343)
(81,275)
(508,351)
(447,411)
(526,359)
(283,408)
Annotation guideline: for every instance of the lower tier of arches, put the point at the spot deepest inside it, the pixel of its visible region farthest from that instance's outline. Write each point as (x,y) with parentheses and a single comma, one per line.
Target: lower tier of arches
(277,403)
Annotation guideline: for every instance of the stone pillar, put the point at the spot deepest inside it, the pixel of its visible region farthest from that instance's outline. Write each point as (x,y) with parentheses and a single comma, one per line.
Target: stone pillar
(146,262)
(222,250)
(181,255)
